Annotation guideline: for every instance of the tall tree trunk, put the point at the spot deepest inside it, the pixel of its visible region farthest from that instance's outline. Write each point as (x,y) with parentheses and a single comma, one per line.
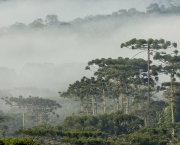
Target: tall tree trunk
(93,108)
(23,120)
(81,107)
(104,102)
(132,99)
(122,103)
(117,103)
(139,88)
(145,121)
(127,105)
(87,113)
(148,102)
(114,104)
(131,103)
(172,103)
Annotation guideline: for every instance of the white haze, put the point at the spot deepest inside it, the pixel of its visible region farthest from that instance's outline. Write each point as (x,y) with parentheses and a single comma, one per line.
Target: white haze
(45,61)
(26,11)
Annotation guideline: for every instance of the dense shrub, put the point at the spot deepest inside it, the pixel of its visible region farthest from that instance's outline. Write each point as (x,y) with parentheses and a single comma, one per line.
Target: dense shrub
(17,141)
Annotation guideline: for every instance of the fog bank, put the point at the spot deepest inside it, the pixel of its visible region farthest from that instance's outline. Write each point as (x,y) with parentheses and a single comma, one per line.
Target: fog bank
(26,11)
(41,62)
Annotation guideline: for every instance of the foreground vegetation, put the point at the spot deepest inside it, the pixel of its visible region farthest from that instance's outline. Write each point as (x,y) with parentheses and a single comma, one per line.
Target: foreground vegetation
(104,129)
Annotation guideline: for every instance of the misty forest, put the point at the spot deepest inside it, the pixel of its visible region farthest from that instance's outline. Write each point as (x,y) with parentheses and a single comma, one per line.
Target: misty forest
(89,72)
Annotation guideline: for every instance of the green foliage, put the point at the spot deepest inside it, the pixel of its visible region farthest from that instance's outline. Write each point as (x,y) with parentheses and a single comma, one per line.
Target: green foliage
(84,141)
(77,126)
(146,136)
(33,101)
(13,121)
(17,141)
(55,134)
(41,130)
(38,108)
(110,124)
(167,115)
(86,130)
(176,105)
(151,43)
(156,113)
(171,89)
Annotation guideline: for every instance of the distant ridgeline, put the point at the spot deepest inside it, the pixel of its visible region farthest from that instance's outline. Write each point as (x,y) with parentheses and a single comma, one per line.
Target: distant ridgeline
(116,19)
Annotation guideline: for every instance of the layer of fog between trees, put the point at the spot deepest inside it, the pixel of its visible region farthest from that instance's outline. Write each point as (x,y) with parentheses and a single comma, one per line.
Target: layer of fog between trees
(43,62)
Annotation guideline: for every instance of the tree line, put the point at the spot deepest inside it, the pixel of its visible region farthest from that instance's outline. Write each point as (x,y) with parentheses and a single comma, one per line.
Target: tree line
(122,16)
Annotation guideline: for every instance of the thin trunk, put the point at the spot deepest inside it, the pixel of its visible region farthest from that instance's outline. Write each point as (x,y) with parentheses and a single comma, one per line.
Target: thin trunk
(139,88)
(148,76)
(148,105)
(145,121)
(159,120)
(130,103)
(127,105)
(104,102)
(172,99)
(132,99)
(172,103)
(133,94)
(81,107)
(23,122)
(95,106)
(23,119)
(114,104)
(87,111)
(117,103)
(122,102)
(93,109)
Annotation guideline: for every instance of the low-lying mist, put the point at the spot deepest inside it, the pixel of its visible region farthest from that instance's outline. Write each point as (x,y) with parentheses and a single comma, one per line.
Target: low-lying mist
(51,59)
(43,61)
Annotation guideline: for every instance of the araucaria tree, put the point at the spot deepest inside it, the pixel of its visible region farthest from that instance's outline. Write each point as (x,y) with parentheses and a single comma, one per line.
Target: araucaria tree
(118,85)
(122,74)
(171,66)
(151,45)
(38,108)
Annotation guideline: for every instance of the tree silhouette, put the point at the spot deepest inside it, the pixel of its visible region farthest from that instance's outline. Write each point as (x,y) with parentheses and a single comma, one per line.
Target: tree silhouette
(127,74)
(88,91)
(149,45)
(171,66)
(39,108)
